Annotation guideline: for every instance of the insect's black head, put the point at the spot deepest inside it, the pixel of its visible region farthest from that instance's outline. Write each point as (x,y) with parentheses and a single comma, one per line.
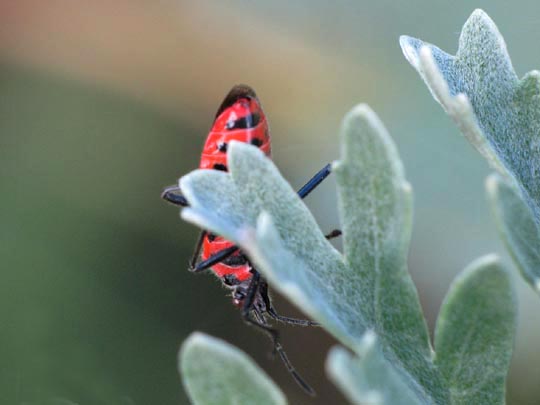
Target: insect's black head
(240,292)
(240,91)
(258,301)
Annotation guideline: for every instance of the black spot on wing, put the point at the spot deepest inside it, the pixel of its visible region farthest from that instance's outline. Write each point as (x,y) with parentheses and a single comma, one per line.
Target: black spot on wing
(222,147)
(249,121)
(220,166)
(235,260)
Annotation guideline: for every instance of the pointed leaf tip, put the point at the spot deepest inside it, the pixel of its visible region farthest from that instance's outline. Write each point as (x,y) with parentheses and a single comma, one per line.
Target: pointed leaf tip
(368,378)
(375,208)
(409,51)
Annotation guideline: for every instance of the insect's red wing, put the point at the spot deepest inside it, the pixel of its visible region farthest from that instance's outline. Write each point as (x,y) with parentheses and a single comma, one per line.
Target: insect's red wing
(240,118)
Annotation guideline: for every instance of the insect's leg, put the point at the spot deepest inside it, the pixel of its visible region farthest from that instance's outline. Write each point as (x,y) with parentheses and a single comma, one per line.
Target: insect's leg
(225,253)
(315,181)
(312,184)
(259,317)
(290,368)
(248,308)
(197,250)
(334,234)
(174,196)
(282,355)
(271,311)
(251,293)
(288,320)
(214,259)
(272,333)
(285,319)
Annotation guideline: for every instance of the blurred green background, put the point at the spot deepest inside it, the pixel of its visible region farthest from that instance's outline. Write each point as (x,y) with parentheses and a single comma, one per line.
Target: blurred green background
(104,103)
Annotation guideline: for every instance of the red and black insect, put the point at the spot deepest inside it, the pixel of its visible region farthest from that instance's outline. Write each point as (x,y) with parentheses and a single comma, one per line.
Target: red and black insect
(241,118)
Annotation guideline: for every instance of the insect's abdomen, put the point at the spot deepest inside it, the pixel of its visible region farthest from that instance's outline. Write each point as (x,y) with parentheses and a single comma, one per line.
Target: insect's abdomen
(244,121)
(240,118)
(232,270)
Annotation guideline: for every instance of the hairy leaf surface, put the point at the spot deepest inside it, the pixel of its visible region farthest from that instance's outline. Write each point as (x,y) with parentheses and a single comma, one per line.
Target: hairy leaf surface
(215,372)
(366,288)
(497,112)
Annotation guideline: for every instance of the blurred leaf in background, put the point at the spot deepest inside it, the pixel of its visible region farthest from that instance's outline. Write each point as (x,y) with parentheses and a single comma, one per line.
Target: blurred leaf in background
(89,296)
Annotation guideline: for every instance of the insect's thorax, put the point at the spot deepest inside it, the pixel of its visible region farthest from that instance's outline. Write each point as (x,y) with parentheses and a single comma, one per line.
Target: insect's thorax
(240,119)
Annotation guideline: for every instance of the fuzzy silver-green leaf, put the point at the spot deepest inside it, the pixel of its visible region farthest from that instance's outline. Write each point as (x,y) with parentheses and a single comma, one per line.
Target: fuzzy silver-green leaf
(375,204)
(215,372)
(474,334)
(367,377)
(517,226)
(498,112)
(474,339)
